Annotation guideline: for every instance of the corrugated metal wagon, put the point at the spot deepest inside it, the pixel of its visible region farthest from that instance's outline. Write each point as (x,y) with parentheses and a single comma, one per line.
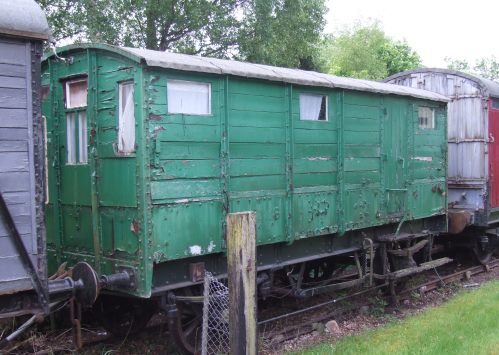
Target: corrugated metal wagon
(473,125)
(148,152)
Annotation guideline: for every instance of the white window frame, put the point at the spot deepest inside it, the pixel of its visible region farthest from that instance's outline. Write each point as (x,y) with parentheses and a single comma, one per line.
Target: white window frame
(187,82)
(82,138)
(430,121)
(46,159)
(71,138)
(303,117)
(68,93)
(126,130)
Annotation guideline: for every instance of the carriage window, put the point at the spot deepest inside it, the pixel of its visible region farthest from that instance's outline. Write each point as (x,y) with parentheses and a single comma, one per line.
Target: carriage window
(82,138)
(189,97)
(70,138)
(313,107)
(76,121)
(126,118)
(76,93)
(495,104)
(76,137)
(426,117)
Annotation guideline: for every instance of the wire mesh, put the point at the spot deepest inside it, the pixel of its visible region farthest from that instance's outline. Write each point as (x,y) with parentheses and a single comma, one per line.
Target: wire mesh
(215,333)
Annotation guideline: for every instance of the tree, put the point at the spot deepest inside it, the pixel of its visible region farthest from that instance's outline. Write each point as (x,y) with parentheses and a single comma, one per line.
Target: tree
(195,26)
(485,67)
(398,56)
(282,32)
(365,51)
(278,32)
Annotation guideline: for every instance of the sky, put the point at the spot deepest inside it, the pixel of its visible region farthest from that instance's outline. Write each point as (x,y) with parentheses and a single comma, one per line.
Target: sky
(435,29)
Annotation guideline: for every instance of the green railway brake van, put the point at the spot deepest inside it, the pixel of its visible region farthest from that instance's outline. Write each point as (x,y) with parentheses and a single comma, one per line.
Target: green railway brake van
(148,151)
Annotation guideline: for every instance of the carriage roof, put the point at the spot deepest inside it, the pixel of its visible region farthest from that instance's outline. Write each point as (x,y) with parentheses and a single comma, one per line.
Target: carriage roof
(489,87)
(193,63)
(23,18)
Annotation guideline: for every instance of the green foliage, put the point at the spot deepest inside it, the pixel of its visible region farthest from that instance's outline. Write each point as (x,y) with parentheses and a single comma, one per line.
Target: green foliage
(378,305)
(277,32)
(282,32)
(484,67)
(465,325)
(398,56)
(364,51)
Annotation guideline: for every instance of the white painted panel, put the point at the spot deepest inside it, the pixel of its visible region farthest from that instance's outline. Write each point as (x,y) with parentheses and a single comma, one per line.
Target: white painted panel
(14,162)
(7,247)
(466,161)
(11,268)
(13,117)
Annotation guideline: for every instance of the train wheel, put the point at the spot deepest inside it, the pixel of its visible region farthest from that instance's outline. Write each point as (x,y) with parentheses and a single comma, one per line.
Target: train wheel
(482,254)
(185,325)
(122,316)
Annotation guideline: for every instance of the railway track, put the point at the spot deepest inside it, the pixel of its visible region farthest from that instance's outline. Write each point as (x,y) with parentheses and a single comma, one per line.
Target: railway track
(282,327)
(301,327)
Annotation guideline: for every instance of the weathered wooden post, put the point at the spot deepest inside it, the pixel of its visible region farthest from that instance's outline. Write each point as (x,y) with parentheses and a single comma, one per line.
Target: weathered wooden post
(241,266)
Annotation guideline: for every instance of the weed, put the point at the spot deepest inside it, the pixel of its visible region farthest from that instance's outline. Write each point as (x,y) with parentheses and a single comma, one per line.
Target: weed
(378,305)
(415,296)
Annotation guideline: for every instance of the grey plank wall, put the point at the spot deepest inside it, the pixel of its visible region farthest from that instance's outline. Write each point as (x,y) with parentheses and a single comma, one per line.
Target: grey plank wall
(16,160)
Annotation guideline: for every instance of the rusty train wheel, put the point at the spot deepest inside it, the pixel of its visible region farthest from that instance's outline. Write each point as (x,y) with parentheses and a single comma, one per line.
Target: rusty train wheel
(185,326)
(482,255)
(123,316)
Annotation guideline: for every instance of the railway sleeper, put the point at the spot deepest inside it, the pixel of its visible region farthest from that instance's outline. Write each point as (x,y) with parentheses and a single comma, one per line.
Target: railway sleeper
(413,270)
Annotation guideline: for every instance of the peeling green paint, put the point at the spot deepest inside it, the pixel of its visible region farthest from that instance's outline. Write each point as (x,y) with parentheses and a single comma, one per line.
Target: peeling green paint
(170,198)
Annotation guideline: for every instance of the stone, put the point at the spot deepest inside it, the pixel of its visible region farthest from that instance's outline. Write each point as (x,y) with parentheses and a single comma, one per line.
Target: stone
(364,310)
(319,327)
(333,328)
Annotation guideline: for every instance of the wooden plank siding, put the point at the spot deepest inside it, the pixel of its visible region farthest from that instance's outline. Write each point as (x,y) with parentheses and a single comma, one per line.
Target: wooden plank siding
(278,165)
(16,160)
(168,200)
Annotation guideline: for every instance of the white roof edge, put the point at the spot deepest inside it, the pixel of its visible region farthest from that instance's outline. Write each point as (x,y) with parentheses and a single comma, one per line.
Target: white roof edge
(23,18)
(258,71)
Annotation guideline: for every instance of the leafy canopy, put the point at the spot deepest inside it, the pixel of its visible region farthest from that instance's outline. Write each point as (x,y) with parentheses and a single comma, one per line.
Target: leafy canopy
(277,32)
(484,67)
(365,51)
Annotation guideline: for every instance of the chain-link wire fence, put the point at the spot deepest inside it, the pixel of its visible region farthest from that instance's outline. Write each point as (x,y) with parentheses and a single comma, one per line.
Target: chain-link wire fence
(215,335)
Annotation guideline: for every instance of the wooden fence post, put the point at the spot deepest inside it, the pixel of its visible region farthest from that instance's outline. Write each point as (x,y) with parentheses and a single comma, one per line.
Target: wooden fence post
(241,268)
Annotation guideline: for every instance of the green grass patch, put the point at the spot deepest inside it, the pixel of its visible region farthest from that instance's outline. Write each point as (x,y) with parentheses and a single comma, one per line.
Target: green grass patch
(467,324)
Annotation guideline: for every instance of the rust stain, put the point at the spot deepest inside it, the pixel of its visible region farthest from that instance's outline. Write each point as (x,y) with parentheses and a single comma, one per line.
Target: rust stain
(134,226)
(154,117)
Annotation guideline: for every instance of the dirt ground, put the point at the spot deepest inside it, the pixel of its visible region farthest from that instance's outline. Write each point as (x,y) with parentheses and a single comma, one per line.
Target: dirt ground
(379,313)
(155,340)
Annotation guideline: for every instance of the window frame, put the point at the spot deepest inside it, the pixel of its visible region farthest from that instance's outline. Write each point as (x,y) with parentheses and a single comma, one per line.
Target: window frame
(80,133)
(427,126)
(67,96)
(324,97)
(121,84)
(210,96)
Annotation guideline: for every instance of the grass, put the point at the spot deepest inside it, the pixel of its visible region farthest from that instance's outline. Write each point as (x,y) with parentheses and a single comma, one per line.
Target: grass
(467,324)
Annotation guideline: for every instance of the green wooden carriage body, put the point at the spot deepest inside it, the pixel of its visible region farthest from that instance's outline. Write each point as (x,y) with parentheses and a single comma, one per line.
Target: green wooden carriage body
(318,187)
